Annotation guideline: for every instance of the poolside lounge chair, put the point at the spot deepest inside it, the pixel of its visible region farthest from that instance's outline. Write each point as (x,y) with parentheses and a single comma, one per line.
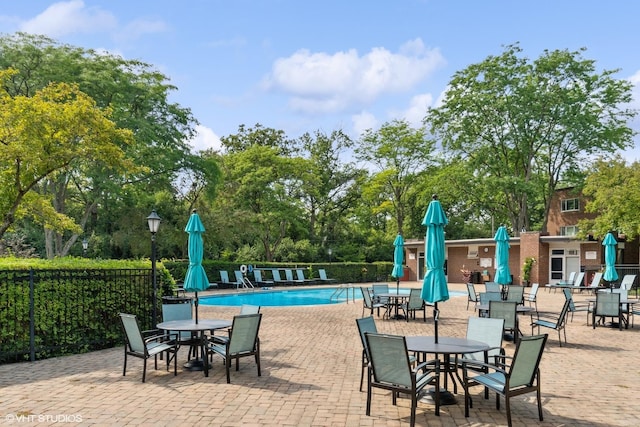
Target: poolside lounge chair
(224,279)
(627,281)
(277,279)
(257,277)
(520,376)
(323,276)
(289,276)
(391,369)
(147,344)
(243,342)
(300,276)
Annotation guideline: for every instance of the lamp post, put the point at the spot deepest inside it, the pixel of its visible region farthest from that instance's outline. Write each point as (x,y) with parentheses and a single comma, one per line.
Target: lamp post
(154,223)
(85,246)
(329,252)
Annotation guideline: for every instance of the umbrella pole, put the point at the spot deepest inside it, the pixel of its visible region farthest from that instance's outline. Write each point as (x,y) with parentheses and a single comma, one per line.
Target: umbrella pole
(196,303)
(436,312)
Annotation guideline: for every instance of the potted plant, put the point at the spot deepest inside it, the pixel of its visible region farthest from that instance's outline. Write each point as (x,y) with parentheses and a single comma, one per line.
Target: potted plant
(526,270)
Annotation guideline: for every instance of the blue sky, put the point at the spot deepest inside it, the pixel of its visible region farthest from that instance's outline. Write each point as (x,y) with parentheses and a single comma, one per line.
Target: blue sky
(303,66)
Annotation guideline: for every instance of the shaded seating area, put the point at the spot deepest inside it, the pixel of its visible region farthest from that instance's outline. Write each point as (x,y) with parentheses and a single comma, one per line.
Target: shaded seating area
(518,375)
(147,344)
(243,342)
(391,369)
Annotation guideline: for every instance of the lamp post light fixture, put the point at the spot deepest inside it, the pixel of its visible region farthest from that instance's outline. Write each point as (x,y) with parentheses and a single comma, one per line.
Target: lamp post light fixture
(154,223)
(85,246)
(329,252)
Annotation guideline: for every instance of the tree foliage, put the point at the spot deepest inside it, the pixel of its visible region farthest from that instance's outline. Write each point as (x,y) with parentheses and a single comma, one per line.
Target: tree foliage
(522,125)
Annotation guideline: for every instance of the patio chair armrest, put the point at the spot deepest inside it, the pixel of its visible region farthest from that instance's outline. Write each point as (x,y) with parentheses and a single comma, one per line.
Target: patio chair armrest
(162,337)
(475,365)
(429,365)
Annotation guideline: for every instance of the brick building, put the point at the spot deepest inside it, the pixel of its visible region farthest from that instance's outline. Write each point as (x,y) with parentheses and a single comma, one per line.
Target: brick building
(557,253)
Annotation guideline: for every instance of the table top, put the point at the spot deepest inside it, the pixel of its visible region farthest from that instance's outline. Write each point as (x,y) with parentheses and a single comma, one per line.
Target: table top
(392,294)
(445,345)
(191,325)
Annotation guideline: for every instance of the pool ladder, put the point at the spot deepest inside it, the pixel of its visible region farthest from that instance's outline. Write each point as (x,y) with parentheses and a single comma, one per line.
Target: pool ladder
(344,289)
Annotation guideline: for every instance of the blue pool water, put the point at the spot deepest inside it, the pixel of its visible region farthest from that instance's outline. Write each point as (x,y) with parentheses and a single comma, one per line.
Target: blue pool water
(290,297)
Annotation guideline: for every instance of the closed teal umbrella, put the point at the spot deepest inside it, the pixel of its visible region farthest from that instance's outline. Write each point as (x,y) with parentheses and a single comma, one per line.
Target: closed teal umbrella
(503,274)
(434,285)
(609,243)
(398,260)
(196,279)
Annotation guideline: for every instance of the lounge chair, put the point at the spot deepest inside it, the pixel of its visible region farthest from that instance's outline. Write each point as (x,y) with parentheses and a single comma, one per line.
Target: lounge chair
(257,277)
(594,285)
(277,279)
(224,279)
(323,276)
(300,277)
(391,369)
(147,344)
(243,342)
(520,376)
(288,273)
(627,281)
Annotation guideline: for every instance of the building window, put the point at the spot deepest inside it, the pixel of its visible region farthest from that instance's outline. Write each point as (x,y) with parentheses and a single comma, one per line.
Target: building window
(570,205)
(569,230)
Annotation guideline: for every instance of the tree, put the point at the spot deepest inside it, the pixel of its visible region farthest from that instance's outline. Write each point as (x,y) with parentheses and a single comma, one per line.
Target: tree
(521,126)
(398,154)
(42,136)
(612,191)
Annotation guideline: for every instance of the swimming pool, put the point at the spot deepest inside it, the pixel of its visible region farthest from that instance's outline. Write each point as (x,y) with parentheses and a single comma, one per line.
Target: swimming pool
(289,297)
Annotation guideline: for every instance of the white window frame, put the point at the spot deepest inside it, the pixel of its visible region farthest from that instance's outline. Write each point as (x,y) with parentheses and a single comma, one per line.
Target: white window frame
(568,230)
(565,202)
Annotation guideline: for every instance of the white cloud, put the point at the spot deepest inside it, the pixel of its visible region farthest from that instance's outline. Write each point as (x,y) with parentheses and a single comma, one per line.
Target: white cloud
(416,111)
(140,27)
(69,17)
(364,121)
(324,83)
(205,139)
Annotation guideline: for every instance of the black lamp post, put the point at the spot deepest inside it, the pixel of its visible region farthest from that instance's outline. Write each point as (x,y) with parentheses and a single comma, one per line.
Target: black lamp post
(329,252)
(85,246)
(154,223)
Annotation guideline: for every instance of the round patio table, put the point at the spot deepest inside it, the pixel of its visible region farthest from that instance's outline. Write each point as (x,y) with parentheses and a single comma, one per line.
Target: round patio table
(446,346)
(199,329)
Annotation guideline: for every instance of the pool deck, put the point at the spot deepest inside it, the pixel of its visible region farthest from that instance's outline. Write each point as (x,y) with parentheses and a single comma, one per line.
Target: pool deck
(310,377)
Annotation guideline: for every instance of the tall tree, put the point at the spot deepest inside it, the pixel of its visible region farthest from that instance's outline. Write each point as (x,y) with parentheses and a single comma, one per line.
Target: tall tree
(41,137)
(398,154)
(521,125)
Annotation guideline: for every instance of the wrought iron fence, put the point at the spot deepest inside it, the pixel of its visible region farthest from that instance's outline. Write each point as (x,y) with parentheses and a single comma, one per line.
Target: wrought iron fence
(46,313)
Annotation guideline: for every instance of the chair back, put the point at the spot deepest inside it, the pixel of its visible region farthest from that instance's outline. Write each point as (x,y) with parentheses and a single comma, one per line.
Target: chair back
(627,281)
(471,291)
(239,277)
(366,297)
(607,304)
(596,279)
(323,274)
(365,325)
(486,297)
(569,298)
(244,333)
(515,294)
(389,359)
(178,311)
(257,275)
(486,330)
(133,335)
(531,296)
(563,313)
(572,277)
(288,275)
(224,276)
(381,288)
(504,310)
(249,309)
(578,279)
(526,360)
(492,287)
(415,299)
(276,275)
(300,275)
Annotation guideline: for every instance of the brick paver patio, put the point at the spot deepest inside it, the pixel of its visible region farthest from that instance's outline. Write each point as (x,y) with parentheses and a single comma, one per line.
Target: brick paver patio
(310,377)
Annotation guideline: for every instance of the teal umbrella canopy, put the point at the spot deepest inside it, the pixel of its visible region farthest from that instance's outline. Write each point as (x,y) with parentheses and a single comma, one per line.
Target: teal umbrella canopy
(434,285)
(398,257)
(196,278)
(503,274)
(609,243)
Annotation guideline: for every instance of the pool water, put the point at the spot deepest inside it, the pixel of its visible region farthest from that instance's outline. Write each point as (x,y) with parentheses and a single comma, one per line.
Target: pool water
(290,297)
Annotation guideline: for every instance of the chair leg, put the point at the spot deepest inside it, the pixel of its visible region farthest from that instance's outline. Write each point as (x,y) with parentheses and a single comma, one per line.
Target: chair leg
(368,411)
(414,403)
(539,401)
(144,370)
(124,368)
(227,365)
(507,408)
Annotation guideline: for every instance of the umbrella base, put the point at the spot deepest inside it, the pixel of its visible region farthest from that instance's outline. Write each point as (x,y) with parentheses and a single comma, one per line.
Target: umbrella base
(446,397)
(195,365)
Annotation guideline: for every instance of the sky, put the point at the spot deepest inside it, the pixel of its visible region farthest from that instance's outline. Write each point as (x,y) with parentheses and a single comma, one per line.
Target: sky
(324,65)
